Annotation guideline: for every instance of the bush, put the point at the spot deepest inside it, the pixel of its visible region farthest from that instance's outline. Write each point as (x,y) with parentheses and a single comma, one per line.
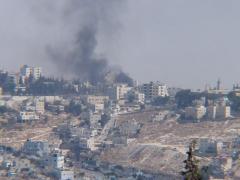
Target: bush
(185,98)
(74,108)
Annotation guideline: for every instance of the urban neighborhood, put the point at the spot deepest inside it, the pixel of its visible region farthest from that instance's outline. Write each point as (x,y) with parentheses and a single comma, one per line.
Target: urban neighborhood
(60,129)
(119,90)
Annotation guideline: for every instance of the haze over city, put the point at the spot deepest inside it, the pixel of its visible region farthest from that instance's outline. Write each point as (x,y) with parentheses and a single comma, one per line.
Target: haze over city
(183,43)
(119,90)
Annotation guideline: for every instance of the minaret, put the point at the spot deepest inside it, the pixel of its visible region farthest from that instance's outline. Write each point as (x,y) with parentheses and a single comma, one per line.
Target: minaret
(219,84)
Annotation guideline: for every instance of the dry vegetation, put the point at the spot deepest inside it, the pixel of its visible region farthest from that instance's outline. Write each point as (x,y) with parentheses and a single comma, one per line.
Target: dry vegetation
(161,146)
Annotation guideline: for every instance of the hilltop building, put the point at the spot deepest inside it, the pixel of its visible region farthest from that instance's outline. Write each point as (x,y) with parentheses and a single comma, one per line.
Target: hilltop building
(197,112)
(218,89)
(91,99)
(39,105)
(119,91)
(211,112)
(26,72)
(25,116)
(56,160)
(65,175)
(218,112)
(153,90)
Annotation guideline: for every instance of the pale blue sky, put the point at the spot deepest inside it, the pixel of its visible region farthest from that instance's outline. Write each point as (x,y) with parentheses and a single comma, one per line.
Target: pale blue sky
(186,43)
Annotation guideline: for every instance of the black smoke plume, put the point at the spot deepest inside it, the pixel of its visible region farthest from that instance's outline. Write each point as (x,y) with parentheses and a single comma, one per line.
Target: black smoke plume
(79,58)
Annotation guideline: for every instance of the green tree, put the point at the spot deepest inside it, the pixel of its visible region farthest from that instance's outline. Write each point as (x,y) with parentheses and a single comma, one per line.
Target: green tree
(104,119)
(7,83)
(74,108)
(192,171)
(49,86)
(131,98)
(160,101)
(3,109)
(185,98)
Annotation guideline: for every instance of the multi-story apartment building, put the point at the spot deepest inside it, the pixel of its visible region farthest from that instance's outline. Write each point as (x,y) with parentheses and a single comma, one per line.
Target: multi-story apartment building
(64,174)
(197,112)
(39,106)
(223,112)
(218,112)
(138,97)
(56,160)
(152,90)
(37,72)
(211,112)
(27,71)
(119,91)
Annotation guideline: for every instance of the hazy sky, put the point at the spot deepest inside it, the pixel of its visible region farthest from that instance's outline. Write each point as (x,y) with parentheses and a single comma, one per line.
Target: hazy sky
(186,43)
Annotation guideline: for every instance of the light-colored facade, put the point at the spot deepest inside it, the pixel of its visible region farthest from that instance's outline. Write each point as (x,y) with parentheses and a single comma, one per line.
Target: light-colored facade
(153,90)
(140,97)
(91,99)
(55,108)
(98,107)
(65,175)
(227,163)
(119,91)
(93,144)
(27,71)
(218,89)
(223,112)
(28,116)
(195,112)
(56,160)
(37,72)
(2,103)
(218,112)
(211,112)
(36,105)
(1,91)
(135,96)
(40,106)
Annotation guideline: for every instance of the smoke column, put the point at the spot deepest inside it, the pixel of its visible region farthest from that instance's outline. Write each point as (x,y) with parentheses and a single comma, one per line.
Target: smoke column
(84,20)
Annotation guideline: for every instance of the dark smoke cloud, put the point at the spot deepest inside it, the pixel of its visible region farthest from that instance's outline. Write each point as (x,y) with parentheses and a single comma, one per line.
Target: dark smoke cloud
(85,21)
(81,61)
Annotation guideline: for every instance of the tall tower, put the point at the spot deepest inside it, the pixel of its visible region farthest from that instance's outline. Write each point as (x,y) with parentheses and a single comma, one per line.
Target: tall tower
(219,84)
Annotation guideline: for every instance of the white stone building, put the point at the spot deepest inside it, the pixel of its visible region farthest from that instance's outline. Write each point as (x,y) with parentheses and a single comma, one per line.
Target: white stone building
(65,174)
(197,112)
(91,99)
(119,91)
(56,160)
(223,112)
(25,116)
(153,90)
(39,105)
(218,112)
(27,71)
